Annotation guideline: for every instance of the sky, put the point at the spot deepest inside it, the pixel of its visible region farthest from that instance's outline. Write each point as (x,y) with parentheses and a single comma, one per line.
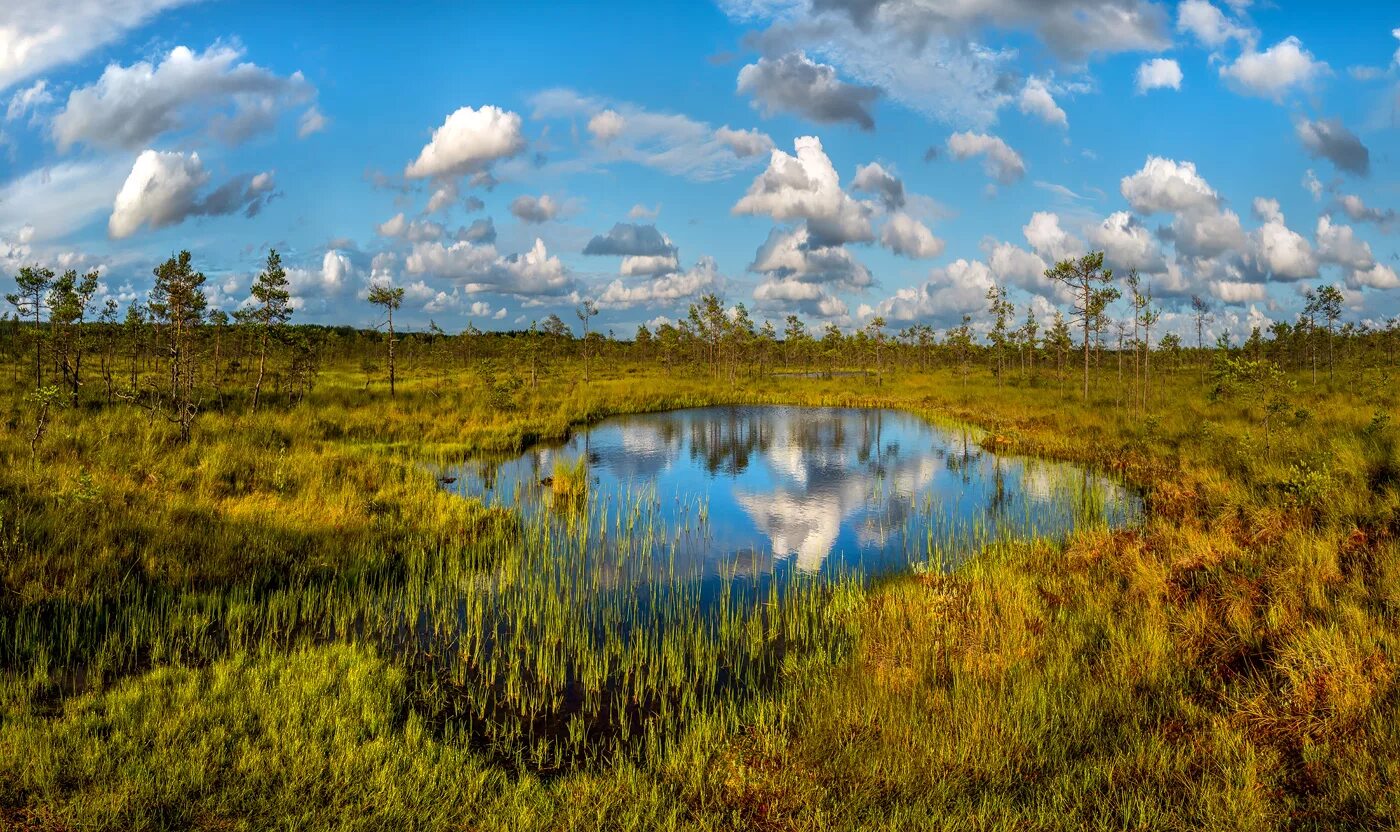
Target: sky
(837,159)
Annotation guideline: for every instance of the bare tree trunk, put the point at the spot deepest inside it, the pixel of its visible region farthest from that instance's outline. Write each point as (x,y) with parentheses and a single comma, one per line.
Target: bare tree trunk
(391,354)
(1086,344)
(262,369)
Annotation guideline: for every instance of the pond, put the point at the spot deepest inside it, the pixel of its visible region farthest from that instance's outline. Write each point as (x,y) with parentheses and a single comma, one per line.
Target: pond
(761,491)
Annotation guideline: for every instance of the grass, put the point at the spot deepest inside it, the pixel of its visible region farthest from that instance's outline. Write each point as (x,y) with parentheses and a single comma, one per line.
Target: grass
(289,623)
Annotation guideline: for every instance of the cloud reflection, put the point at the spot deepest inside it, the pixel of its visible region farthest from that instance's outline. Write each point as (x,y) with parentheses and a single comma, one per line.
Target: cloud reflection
(799,485)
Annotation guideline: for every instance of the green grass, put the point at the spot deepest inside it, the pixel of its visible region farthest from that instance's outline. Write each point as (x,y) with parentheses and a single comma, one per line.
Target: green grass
(213,635)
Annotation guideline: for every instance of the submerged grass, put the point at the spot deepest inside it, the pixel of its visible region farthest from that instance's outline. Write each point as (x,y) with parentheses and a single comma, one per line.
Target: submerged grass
(288,622)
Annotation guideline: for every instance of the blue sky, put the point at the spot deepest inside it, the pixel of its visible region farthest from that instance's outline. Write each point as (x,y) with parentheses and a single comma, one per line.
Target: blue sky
(836,158)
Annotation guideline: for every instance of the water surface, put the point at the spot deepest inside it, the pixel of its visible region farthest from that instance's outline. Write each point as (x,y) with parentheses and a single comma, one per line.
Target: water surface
(739,491)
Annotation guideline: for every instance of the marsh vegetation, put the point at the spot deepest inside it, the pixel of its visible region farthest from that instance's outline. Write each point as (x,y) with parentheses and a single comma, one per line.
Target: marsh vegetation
(238,585)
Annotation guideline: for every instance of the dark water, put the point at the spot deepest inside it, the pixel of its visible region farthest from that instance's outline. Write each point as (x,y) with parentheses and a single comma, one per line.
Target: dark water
(761,490)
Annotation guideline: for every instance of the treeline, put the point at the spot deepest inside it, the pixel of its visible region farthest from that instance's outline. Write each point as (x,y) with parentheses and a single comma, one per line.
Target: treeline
(173,357)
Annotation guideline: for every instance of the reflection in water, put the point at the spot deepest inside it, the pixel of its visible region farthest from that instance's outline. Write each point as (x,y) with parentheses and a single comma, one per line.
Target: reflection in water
(811,487)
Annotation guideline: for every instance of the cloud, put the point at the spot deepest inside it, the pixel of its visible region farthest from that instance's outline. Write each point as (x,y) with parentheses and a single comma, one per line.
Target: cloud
(392,227)
(311,122)
(780,294)
(1313,185)
(668,142)
(461,260)
(806,186)
(947,294)
(1331,140)
(1204,233)
(214,91)
(744,143)
(414,230)
(533,209)
(311,288)
(163,189)
(928,56)
(1048,239)
(1058,190)
(1012,264)
(793,254)
(874,179)
(998,159)
(1267,210)
(436,301)
(533,272)
(1164,186)
(642,212)
(478,268)
(1158,74)
(1378,276)
(28,100)
(1357,209)
(667,288)
(40,35)
(54,201)
(648,264)
(1073,29)
(606,126)
(468,141)
(480,231)
(1338,244)
(794,83)
(18,249)
(1036,100)
(1127,244)
(905,235)
(628,240)
(1277,249)
(1210,26)
(247,193)
(1238,291)
(442,198)
(1274,72)
(1201,228)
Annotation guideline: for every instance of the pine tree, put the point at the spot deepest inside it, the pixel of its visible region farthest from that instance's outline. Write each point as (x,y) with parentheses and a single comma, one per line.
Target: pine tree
(390,299)
(69,302)
(273,311)
(33,283)
(1327,301)
(585,312)
(177,302)
(1083,277)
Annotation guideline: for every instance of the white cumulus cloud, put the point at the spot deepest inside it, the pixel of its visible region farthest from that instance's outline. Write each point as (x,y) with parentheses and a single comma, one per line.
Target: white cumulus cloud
(1158,74)
(39,35)
(806,186)
(1036,100)
(998,159)
(164,189)
(905,235)
(213,90)
(1276,71)
(468,141)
